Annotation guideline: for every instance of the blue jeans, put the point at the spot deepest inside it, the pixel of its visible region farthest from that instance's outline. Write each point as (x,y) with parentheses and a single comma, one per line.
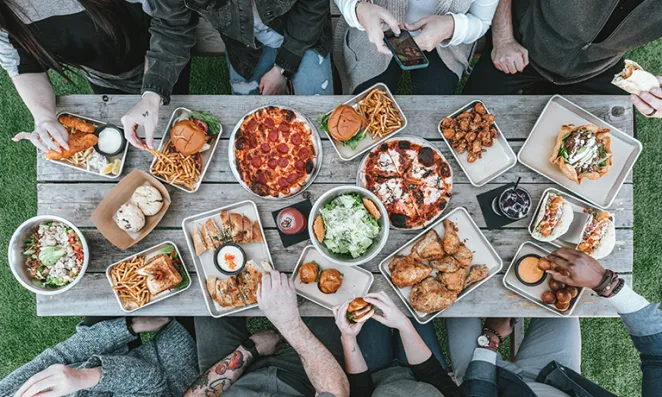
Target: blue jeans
(382,346)
(314,76)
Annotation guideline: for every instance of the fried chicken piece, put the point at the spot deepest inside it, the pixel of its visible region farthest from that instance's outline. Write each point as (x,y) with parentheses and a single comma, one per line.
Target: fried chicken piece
(77,124)
(431,296)
(471,157)
(446,264)
(428,247)
(487,140)
(462,147)
(489,118)
(449,133)
(453,281)
(470,137)
(464,124)
(463,255)
(451,240)
(476,273)
(476,147)
(480,108)
(464,116)
(447,122)
(459,135)
(406,271)
(477,119)
(78,142)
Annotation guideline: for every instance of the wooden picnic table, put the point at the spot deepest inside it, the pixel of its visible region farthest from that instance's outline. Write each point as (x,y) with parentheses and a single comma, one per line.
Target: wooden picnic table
(74,195)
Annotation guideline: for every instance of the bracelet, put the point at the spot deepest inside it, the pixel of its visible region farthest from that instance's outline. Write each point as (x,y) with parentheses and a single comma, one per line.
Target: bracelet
(616,289)
(607,284)
(498,335)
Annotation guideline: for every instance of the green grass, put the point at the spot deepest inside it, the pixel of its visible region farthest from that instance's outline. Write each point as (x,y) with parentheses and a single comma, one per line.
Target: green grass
(608,355)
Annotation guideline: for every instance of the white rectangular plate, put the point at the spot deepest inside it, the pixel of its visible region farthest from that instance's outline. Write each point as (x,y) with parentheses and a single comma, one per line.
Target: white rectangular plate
(537,150)
(149,253)
(474,239)
(204,264)
(121,156)
(356,281)
(533,293)
(495,161)
(346,153)
(206,156)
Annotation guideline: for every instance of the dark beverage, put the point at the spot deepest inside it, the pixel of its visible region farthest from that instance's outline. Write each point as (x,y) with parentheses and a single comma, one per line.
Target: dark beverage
(513,203)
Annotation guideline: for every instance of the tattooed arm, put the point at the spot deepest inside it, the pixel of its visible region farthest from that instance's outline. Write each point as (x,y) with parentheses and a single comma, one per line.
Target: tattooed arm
(221,375)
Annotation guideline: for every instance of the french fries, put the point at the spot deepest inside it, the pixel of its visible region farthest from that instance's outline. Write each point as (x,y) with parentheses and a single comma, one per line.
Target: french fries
(131,287)
(381,114)
(176,168)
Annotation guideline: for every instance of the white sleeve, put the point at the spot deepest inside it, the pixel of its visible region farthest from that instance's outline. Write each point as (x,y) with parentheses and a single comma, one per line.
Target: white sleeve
(487,355)
(627,301)
(9,59)
(471,26)
(348,11)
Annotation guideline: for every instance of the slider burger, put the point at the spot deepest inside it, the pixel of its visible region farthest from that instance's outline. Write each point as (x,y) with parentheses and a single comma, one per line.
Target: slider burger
(345,125)
(634,79)
(599,236)
(188,137)
(359,311)
(554,218)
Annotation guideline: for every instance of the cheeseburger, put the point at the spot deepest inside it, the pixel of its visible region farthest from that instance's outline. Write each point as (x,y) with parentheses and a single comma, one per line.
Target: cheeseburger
(359,311)
(187,137)
(344,123)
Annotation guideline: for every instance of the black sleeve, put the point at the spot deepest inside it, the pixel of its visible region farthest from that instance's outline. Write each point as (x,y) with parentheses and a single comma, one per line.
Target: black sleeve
(304,26)
(431,371)
(360,385)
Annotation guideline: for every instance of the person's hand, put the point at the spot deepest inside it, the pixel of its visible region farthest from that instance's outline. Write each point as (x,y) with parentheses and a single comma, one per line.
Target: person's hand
(148,324)
(267,342)
(347,329)
(434,29)
(390,315)
(59,380)
(273,82)
(504,326)
(278,300)
(145,114)
(45,135)
(575,268)
(371,17)
(509,56)
(649,103)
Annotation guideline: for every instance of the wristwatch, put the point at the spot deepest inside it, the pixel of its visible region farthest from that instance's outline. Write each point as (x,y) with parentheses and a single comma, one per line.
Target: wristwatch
(250,346)
(486,342)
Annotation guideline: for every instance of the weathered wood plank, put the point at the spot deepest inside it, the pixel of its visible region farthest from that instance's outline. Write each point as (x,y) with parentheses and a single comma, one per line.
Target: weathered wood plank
(516,115)
(77,201)
(333,168)
(505,242)
(94,297)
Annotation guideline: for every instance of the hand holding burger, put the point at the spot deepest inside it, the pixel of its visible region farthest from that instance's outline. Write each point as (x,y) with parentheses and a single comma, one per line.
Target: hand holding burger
(390,315)
(351,315)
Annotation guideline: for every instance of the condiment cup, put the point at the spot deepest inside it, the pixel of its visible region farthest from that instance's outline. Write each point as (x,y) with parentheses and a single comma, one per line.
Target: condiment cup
(544,274)
(97,132)
(240,264)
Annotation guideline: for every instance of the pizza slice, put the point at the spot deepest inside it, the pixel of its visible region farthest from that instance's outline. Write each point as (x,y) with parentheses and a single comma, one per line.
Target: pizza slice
(398,201)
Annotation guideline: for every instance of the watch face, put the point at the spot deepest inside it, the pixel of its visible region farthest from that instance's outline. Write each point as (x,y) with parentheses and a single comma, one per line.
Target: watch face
(483,341)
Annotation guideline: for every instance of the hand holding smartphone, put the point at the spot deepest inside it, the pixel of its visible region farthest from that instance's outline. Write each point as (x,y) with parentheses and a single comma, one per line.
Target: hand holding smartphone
(405,50)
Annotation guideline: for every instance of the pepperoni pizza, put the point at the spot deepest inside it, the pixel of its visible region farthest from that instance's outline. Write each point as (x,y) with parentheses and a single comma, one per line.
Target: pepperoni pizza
(275,152)
(411,178)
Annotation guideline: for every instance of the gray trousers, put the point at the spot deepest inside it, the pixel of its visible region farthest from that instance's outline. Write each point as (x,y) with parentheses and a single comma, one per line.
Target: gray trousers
(547,340)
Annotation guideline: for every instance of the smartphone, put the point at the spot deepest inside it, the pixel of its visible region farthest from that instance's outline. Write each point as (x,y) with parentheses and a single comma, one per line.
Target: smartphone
(405,50)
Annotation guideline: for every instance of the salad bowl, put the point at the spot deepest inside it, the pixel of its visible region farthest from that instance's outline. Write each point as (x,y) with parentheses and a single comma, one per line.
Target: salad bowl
(370,251)
(17,258)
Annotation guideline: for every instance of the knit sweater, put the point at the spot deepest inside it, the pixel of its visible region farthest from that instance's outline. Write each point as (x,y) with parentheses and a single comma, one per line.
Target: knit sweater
(163,367)
(358,60)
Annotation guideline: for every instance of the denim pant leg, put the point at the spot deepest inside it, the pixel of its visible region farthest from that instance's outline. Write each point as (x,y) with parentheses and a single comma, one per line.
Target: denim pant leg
(218,337)
(314,76)
(251,86)
(376,344)
(429,336)
(462,336)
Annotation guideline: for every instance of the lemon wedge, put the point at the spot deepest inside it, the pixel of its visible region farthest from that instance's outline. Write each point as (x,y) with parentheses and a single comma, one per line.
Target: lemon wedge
(107,169)
(116,167)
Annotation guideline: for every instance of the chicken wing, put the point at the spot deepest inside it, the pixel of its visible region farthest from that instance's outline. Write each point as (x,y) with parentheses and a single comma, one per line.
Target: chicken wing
(453,281)
(430,296)
(406,271)
(476,273)
(451,240)
(428,247)
(463,255)
(446,264)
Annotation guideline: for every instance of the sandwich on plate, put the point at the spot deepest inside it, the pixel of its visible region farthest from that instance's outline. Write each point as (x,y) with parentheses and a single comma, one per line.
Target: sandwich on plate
(359,311)
(554,218)
(161,274)
(634,79)
(345,125)
(599,236)
(583,152)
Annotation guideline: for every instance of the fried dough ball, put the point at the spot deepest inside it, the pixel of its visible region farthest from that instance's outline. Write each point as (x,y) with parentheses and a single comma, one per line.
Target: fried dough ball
(573,291)
(548,297)
(556,285)
(544,264)
(562,306)
(563,296)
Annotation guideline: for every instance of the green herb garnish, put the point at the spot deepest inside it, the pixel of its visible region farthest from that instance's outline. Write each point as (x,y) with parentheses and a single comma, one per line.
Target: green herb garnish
(209,119)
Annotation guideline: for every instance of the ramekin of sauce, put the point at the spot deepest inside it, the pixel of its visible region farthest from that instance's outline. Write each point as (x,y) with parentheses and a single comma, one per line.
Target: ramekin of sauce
(111,140)
(230,259)
(527,271)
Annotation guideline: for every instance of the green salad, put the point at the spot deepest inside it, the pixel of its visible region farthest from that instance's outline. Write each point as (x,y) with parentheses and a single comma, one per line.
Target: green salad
(349,227)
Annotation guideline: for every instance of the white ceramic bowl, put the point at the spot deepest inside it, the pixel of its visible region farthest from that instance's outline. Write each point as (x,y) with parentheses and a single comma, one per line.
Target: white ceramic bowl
(17,260)
(377,245)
